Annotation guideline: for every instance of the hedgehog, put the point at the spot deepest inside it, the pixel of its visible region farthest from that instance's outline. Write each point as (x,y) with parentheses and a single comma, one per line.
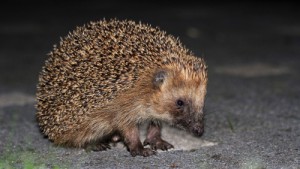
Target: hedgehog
(108,77)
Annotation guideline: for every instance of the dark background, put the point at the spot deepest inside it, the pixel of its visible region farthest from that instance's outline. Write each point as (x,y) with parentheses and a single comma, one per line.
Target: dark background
(29,30)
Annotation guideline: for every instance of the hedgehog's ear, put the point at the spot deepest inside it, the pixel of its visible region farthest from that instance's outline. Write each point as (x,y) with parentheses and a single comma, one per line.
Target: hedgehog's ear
(159,78)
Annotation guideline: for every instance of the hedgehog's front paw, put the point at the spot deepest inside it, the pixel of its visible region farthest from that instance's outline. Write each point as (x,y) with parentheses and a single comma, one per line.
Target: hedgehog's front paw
(142,152)
(158,143)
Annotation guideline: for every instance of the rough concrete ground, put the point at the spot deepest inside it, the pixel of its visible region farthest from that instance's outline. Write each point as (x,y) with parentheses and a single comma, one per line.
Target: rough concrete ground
(253,54)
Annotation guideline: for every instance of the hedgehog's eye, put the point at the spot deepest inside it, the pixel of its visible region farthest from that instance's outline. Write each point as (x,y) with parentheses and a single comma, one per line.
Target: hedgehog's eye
(179,103)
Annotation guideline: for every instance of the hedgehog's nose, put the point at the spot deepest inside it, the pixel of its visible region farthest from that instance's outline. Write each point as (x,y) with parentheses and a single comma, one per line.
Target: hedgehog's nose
(198,129)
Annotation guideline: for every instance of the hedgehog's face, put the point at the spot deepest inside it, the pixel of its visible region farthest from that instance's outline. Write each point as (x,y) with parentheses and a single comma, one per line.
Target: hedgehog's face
(181,95)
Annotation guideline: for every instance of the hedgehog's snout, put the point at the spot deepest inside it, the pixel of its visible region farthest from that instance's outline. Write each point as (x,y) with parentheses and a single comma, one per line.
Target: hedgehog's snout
(196,125)
(192,124)
(197,129)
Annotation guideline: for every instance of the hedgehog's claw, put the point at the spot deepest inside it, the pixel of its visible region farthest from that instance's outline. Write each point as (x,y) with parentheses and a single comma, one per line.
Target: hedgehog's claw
(143,152)
(158,143)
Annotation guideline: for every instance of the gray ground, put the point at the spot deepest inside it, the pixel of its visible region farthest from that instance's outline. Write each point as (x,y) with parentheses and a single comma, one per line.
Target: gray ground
(253,100)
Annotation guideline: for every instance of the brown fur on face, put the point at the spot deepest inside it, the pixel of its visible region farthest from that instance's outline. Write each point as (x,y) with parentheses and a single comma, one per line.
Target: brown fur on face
(188,88)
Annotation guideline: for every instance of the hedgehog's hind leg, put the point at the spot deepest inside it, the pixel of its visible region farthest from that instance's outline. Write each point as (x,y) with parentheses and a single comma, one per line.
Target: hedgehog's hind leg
(154,137)
(99,145)
(104,143)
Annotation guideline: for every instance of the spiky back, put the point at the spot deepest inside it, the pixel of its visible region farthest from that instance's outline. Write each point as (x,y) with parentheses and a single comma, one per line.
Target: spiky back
(96,62)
